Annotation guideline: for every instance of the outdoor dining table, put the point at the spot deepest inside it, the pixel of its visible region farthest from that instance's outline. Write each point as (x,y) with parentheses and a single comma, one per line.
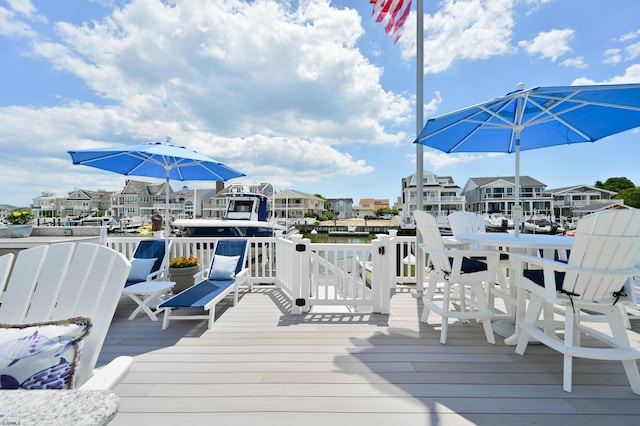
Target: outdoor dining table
(549,246)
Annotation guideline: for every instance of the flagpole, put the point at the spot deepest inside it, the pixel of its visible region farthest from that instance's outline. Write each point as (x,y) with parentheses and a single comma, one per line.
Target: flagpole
(419,147)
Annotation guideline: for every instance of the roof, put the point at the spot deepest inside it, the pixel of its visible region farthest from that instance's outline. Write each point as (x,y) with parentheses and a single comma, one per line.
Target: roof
(524,180)
(577,187)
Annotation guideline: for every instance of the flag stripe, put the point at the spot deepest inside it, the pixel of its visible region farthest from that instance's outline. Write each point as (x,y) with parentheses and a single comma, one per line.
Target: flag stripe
(392,14)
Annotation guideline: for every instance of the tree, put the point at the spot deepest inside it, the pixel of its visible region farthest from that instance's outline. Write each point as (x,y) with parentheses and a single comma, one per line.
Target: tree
(615,184)
(630,196)
(382,212)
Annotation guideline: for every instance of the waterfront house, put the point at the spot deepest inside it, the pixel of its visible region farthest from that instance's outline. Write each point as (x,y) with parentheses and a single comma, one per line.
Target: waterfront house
(569,199)
(86,202)
(140,198)
(497,194)
(293,204)
(441,196)
(342,208)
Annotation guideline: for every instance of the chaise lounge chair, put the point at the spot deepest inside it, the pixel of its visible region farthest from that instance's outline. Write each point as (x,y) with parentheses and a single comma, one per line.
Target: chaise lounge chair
(225,275)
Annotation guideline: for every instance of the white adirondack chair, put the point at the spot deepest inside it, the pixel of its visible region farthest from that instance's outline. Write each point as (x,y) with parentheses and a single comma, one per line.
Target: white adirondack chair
(5,268)
(457,271)
(604,255)
(65,280)
(463,222)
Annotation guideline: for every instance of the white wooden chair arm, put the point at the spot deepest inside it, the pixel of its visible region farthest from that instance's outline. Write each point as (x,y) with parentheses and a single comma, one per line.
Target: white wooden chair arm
(462,252)
(564,267)
(108,376)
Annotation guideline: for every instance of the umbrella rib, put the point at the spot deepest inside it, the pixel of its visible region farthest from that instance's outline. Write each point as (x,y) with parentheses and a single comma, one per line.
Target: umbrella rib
(549,115)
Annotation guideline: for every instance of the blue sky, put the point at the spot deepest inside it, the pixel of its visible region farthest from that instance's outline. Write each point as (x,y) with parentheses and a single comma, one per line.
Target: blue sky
(309,95)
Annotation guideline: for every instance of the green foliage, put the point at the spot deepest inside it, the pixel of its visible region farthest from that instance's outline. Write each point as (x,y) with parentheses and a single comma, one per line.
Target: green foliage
(382,212)
(631,196)
(615,184)
(20,217)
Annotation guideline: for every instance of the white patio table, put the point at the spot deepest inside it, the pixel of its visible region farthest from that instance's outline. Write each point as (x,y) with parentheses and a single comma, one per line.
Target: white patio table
(548,244)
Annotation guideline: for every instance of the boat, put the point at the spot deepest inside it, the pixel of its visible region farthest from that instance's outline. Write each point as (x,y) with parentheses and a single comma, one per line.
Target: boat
(536,225)
(352,230)
(246,216)
(496,222)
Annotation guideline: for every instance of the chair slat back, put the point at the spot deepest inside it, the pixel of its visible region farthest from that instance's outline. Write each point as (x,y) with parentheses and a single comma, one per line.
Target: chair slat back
(427,226)
(467,223)
(605,243)
(6,261)
(65,280)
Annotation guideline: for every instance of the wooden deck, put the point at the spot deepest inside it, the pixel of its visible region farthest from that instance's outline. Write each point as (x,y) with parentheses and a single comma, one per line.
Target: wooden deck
(262,366)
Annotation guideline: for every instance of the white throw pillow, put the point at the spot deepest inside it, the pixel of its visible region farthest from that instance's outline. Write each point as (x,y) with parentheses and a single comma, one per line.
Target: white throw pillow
(140,268)
(41,355)
(223,267)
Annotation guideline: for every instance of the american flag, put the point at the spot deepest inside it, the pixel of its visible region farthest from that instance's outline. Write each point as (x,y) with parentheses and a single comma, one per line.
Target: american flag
(393,14)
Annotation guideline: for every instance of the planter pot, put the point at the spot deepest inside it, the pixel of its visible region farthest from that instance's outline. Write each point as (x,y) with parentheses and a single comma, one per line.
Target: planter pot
(183,277)
(19,231)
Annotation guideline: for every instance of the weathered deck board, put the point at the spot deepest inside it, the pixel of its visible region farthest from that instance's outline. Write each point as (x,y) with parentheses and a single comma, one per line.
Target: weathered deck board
(262,365)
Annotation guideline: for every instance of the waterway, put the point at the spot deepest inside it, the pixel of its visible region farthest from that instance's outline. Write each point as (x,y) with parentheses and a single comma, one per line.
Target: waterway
(324,237)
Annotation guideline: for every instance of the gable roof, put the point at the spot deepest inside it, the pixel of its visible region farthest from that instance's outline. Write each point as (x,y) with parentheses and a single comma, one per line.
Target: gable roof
(524,180)
(584,188)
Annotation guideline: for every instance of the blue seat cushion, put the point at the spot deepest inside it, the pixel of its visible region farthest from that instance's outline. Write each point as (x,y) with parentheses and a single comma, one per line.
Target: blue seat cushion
(198,295)
(537,277)
(470,266)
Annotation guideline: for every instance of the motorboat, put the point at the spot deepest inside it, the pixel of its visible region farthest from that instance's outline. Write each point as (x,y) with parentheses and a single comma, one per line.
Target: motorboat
(542,226)
(245,216)
(494,222)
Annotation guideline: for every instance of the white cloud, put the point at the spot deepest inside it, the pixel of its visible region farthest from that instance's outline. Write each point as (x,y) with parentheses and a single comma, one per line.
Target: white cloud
(280,80)
(631,75)
(613,56)
(10,25)
(630,36)
(462,30)
(577,62)
(551,44)
(440,160)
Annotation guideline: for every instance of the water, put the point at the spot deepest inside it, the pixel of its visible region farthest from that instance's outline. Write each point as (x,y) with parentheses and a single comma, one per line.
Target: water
(324,237)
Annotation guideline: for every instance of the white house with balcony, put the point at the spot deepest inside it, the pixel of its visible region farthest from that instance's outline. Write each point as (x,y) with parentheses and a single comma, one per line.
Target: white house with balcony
(291,204)
(440,196)
(497,195)
(571,201)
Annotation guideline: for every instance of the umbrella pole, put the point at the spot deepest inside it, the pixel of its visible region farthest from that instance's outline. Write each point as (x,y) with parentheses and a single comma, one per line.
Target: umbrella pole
(517,209)
(420,259)
(167,231)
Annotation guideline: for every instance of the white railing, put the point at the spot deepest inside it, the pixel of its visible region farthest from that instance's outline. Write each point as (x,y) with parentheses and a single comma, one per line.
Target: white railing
(355,276)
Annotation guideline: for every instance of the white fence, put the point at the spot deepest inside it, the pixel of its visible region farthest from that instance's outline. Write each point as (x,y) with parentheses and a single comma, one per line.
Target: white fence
(351,276)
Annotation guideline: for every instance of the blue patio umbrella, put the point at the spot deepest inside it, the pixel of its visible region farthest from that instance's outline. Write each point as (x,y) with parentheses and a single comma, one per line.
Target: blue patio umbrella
(536,118)
(164,160)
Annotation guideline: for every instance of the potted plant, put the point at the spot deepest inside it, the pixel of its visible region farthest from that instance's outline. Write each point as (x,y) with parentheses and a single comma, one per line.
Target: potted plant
(20,225)
(181,271)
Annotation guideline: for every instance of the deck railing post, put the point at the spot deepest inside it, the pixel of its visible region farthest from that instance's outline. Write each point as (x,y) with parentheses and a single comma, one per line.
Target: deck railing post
(380,276)
(300,274)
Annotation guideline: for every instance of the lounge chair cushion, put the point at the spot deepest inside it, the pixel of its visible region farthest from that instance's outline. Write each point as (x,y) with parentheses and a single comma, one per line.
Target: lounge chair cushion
(140,268)
(223,267)
(199,295)
(41,355)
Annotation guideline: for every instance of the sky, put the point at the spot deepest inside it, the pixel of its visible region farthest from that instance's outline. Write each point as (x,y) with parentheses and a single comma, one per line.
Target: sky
(310,95)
